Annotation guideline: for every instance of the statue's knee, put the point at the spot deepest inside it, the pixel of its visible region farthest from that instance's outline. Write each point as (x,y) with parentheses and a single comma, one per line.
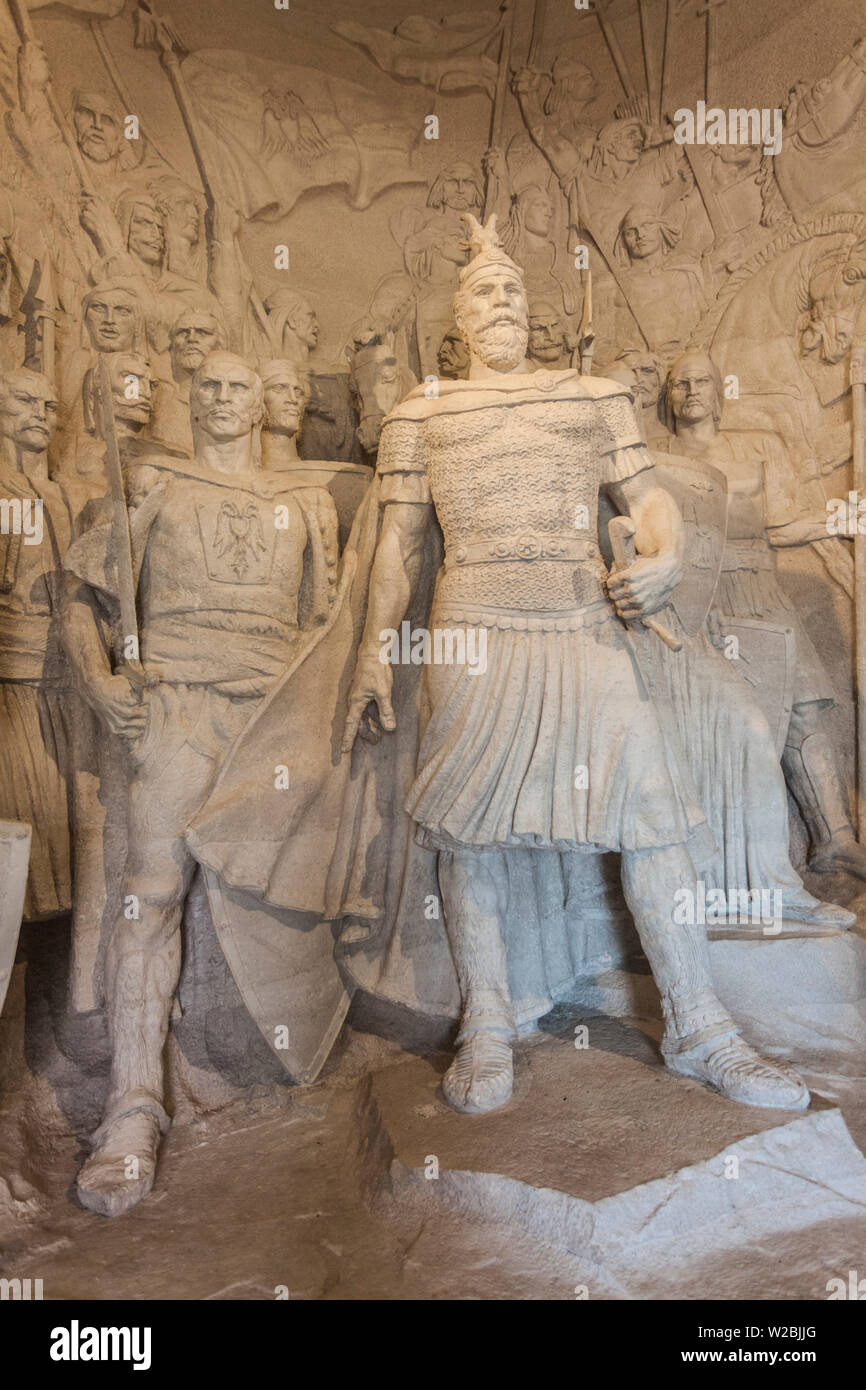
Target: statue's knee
(149,899)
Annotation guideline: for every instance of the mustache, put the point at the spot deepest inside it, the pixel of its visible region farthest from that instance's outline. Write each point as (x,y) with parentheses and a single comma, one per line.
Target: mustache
(503,323)
(507,316)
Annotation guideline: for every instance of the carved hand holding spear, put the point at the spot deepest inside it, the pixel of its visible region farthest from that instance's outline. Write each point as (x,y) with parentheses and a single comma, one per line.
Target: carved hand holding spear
(24,24)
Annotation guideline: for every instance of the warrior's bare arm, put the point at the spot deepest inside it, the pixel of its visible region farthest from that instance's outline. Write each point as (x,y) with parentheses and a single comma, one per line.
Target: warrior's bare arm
(33,123)
(225,271)
(113,698)
(647,585)
(396,568)
(837,558)
(558,151)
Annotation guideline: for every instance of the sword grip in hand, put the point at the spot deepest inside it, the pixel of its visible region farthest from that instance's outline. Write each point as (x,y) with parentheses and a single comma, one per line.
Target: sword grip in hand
(621,532)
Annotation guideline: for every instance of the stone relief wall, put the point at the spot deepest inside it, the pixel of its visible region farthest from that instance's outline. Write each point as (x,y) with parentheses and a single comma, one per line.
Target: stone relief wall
(232,237)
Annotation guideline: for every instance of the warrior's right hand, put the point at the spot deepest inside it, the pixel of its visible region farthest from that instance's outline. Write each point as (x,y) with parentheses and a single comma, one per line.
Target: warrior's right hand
(96,217)
(716,629)
(526,80)
(494,165)
(370,708)
(119,703)
(33,71)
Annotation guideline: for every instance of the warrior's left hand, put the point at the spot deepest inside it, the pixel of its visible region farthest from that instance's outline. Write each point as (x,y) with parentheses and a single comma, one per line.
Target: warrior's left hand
(646,586)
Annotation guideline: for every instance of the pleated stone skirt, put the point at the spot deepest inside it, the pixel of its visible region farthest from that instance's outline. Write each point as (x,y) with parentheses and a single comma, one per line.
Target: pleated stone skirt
(553,744)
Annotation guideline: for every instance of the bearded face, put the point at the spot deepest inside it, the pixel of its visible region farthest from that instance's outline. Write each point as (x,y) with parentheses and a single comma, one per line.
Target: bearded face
(546,335)
(647,384)
(98,132)
(146,234)
(493,317)
(192,338)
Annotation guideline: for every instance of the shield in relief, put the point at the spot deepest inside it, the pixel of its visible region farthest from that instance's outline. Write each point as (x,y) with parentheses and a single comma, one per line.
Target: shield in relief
(765,658)
(701,490)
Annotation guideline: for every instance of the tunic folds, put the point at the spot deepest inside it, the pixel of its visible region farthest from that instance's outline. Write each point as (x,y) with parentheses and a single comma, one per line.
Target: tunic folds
(551,741)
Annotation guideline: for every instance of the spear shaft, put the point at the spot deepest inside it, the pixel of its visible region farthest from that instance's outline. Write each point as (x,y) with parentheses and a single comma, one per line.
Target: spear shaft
(497,114)
(120,528)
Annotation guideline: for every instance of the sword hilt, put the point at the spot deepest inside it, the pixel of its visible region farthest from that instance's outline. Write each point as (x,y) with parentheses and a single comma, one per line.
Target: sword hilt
(621,532)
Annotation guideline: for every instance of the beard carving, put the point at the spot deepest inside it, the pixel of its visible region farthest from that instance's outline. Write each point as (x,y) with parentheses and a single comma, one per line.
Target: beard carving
(500,340)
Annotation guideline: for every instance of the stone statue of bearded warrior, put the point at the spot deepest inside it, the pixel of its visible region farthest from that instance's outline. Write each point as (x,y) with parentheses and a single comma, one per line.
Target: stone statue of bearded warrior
(550,744)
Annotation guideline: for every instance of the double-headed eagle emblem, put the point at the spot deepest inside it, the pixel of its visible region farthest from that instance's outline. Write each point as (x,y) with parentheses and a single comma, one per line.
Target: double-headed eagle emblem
(239,539)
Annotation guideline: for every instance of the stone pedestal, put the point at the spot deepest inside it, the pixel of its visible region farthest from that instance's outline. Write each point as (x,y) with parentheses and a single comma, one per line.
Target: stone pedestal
(631,1172)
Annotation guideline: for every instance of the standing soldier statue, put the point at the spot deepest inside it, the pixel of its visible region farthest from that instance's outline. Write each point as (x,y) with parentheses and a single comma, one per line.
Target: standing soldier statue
(553,745)
(232,564)
(768,510)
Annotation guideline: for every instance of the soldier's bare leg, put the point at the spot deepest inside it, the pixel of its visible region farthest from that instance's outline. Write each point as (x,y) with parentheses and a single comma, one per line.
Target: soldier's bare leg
(475,898)
(701,1039)
(812,773)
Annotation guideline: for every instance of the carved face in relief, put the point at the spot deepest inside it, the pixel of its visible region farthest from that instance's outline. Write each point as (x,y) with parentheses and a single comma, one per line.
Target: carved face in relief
(97,128)
(693,389)
(131,388)
(647,374)
(226,398)
(537,210)
(626,141)
(286,395)
(182,215)
(146,234)
(111,317)
(304,325)
(193,335)
(573,83)
(459,189)
(28,410)
(492,314)
(453,356)
(546,333)
(294,322)
(641,234)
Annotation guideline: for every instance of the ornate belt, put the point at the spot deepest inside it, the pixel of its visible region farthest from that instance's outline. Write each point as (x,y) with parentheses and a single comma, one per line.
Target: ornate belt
(525,547)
